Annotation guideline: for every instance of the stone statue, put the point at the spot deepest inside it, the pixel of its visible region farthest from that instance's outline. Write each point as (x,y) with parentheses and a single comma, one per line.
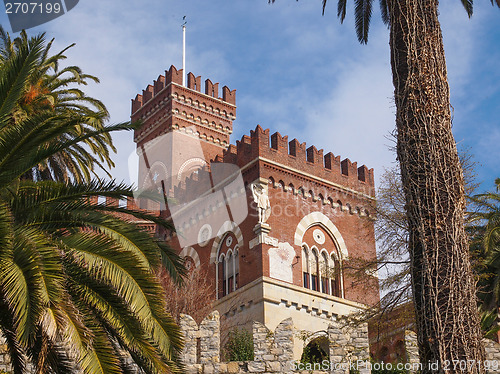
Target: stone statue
(262,200)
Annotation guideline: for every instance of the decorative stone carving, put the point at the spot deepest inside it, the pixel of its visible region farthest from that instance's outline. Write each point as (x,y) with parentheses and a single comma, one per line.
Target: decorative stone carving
(260,198)
(204,235)
(280,262)
(261,231)
(319,236)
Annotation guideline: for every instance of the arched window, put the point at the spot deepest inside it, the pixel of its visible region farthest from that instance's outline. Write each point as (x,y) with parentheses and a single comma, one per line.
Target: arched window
(228,267)
(324,272)
(221,272)
(189,263)
(321,262)
(314,270)
(335,278)
(305,268)
(230,272)
(236,268)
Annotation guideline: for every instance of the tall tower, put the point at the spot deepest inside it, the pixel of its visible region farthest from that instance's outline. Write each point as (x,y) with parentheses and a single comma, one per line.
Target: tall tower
(283,239)
(186,114)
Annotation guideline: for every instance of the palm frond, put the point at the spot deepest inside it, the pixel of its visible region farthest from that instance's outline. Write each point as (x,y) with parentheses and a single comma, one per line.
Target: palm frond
(384,11)
(341,9)
(14,75)
(78,278)
(468,6)
(14,348)
(362,16)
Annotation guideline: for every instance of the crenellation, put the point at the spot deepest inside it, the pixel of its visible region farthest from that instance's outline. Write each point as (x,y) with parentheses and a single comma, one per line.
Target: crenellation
(314,155)
(309,181)
(364,174)
(297,149)
(137,103)
(173,75)
(159,84)
(131,204)
(193,82)
(111,201)
(273,350)
(345,167)
(245,139)
(332,162)
(211,89)
(279,143)
(228,95)
(259,139)
(296,156)
(147,94)
(231,154)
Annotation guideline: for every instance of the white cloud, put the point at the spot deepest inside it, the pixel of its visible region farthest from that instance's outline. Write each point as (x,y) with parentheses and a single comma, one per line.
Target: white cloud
(357,115)
(295,71)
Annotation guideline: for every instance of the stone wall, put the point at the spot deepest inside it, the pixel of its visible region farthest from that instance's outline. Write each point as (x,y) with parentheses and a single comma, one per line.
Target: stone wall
(348,344)
(4,357)
(273,351)
(492,350)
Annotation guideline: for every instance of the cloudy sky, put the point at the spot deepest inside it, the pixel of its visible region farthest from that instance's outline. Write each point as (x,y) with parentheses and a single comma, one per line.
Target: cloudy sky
(294,70)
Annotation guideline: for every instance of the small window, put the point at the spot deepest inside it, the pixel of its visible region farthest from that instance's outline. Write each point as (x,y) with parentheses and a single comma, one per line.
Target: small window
(314,282)
(324,285)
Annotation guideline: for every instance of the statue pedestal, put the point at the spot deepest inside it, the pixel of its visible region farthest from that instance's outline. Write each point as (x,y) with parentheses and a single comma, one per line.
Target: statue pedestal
(261,228)
(261,231)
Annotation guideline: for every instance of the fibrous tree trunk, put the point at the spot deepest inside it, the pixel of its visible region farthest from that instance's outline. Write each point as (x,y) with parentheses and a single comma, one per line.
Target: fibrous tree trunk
(443,285)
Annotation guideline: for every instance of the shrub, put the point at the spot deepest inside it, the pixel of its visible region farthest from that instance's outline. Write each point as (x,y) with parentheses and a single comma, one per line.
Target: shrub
(313,354)
(239,346)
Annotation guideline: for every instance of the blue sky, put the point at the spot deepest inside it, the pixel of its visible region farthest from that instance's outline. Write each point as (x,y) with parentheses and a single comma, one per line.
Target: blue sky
(294,70)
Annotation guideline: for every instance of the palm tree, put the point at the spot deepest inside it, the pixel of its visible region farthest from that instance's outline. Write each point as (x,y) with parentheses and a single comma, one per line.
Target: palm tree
(443,286)
(56,90)
(485,233)
(78,284)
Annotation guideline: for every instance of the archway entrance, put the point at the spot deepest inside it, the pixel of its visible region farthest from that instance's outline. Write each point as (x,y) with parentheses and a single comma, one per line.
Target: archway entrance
(316,351)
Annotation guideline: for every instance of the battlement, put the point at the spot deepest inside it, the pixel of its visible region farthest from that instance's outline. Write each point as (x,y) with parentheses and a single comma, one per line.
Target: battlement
(174,76)
(296,155)
(194,185)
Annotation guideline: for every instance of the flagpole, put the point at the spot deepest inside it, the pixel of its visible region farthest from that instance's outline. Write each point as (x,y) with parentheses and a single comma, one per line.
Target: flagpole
(184,52)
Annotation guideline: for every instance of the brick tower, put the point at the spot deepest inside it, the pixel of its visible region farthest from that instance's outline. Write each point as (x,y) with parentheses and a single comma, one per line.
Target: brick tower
(167,107)
(310,214)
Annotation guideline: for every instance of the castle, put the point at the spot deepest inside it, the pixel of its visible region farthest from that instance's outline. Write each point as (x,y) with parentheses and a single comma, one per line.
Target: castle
(276,225)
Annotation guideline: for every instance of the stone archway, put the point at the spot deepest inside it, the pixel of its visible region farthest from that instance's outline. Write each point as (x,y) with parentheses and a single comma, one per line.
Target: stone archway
(316,348)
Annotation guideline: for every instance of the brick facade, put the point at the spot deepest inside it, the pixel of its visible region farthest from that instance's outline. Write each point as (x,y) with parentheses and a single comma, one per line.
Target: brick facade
(320,215)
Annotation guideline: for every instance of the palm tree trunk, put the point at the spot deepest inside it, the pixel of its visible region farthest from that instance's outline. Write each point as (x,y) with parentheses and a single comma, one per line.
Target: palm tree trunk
(443,285)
